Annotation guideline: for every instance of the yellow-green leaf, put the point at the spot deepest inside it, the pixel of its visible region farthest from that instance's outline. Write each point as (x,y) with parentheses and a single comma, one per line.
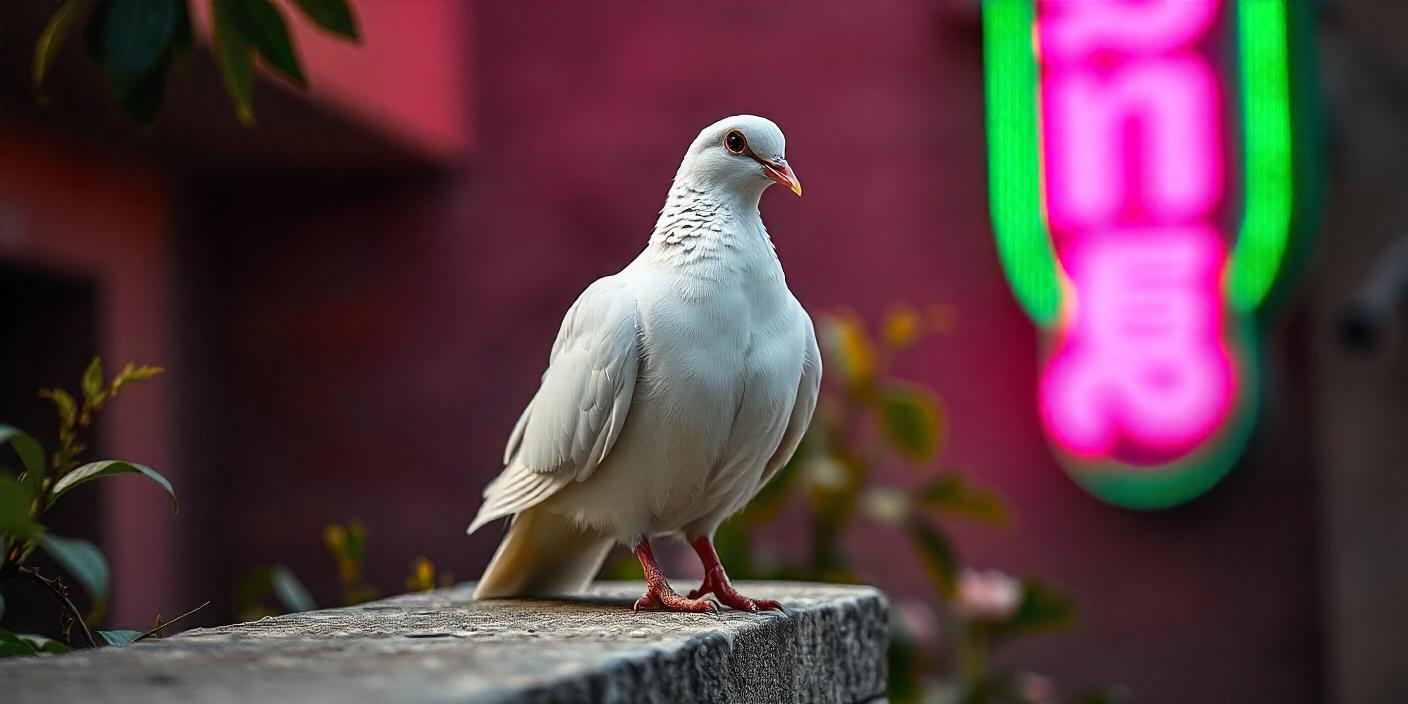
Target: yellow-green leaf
(912,421)
(953,494)
(131,373)
(15,502)
(67,407)
(1042,608)
(901,327)
(422,577)
(940,560)
(55,33)
(849,348)
(93,381)
(236,59)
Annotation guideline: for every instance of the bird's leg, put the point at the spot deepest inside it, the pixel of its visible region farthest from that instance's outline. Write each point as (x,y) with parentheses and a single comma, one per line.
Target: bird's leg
(716,581)
(658,594)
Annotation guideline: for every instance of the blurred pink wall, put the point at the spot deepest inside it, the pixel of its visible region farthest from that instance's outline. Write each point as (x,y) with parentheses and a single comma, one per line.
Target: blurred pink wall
(357,343)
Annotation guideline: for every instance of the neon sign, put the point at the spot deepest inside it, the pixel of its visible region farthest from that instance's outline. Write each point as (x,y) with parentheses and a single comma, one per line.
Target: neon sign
(1141,220)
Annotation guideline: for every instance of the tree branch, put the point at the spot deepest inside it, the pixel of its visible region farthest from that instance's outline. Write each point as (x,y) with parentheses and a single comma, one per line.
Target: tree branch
(56,589)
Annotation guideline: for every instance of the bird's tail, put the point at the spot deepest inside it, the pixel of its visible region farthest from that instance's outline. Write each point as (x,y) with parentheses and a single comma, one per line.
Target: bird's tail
(543,554)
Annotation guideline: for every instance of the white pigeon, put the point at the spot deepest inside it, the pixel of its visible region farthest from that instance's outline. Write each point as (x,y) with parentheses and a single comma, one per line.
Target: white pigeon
(674,391)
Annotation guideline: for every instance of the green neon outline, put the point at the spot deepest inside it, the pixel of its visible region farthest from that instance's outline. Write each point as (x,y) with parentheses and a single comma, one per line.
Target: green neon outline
(1014,164)
(1269,178)
(1012,92)
(1014,158)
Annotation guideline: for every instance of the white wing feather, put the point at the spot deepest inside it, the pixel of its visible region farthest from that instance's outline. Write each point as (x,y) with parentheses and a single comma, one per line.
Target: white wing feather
(575,418)
(807,391)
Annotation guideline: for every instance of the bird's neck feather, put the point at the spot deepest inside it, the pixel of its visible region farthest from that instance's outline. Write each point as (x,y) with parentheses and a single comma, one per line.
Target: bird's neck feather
(706,228)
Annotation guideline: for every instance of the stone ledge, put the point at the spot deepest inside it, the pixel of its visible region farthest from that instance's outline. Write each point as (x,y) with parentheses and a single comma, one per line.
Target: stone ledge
(443,646)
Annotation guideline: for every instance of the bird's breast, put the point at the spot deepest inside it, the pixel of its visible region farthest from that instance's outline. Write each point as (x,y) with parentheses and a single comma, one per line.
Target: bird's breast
(705,359)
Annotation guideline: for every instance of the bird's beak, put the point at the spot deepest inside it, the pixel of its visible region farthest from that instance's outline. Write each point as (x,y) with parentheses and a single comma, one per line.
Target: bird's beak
(782,173)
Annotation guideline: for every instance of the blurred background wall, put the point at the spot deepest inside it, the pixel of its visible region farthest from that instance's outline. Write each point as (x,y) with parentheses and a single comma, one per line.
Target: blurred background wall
(355,298)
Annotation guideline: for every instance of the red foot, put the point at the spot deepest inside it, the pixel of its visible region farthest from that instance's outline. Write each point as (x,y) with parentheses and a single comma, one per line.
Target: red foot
(716,582)
(658,594)
(669,600)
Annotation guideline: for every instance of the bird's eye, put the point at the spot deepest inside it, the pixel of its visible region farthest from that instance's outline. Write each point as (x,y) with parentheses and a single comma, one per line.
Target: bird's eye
(735,142)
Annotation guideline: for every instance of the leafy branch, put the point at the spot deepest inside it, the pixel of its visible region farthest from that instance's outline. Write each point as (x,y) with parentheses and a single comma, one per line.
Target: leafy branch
(137,44)
(43,480)
(346,545)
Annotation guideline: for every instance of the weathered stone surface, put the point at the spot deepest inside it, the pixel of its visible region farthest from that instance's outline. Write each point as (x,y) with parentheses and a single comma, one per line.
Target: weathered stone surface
(443,646)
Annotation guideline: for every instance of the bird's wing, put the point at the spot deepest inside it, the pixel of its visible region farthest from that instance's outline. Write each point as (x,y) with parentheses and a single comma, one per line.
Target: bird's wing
(580,408)
(807,391)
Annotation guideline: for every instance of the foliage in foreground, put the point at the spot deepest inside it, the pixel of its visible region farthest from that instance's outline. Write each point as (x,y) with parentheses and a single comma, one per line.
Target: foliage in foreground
(346,546)
(137,44)
(45,478)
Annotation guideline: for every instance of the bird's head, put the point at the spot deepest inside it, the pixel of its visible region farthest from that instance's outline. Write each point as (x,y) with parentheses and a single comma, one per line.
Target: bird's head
(745,153)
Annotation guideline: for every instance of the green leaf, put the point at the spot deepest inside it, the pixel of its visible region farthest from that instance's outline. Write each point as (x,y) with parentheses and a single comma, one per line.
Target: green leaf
(108,468)
(262,25)
(290,591)
(940,560)
(356,540)
(30,451)
(67,408)
(141,102)
(904,659)
(15,501)
(250,590)
(953,494)
(55,33)
(335,16)
(134,41)
(93,376)
(911,421)
(1042,609)
(83,560)
(360,595)
(11,644)
(1105,695)
(236,59)
(847,343)
(120,637)
(181,43)
(131,373)
(45,645)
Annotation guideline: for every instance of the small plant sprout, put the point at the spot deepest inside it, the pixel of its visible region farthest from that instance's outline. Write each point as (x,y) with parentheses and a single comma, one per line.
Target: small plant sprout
(43,479)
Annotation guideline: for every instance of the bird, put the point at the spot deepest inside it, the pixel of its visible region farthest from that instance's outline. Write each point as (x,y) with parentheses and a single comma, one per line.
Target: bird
(674,391)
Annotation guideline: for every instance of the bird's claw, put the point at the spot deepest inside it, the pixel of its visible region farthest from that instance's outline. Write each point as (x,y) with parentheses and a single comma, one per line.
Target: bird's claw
(723,590)
(668,600)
